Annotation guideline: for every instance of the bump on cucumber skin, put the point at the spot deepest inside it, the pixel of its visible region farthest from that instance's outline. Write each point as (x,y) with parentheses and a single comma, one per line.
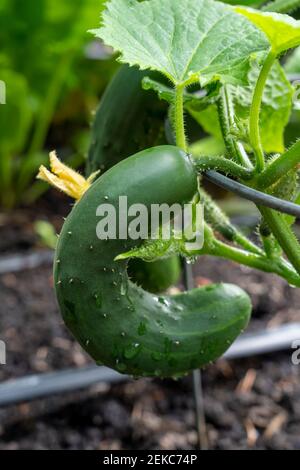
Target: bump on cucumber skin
(120,324)
(128,120)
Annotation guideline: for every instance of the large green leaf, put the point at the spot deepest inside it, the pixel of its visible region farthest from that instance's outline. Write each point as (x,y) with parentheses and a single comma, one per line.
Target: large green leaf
(282,31)
(186,40)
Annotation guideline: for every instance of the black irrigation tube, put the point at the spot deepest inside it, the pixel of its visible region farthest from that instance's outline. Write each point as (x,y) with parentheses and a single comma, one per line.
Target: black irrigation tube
(45,385)
(253,195)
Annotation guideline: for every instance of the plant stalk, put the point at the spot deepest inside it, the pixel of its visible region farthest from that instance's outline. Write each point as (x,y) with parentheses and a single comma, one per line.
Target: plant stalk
(227,123)
(204,163)
(179,118)
(221,223)
(262,263)
(284,235)
(279,167)
(254,126)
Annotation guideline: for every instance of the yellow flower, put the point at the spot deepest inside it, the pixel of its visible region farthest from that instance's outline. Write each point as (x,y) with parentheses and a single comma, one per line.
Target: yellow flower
(65,179)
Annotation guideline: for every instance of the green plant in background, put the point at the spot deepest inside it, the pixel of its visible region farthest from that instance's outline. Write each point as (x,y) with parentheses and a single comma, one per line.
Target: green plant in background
(230,54)
(41,61)
(46,233)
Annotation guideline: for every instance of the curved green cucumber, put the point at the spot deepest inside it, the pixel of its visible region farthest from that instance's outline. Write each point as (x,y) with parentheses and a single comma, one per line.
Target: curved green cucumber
(118,323)
(128,120)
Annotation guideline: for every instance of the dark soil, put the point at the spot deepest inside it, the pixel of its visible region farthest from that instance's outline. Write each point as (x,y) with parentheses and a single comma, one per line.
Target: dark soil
(253,403)
(17,232)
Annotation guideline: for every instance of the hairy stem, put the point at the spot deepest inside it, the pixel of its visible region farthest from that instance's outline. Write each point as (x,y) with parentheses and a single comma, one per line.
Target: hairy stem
(221,223)
(179,118)
(204,163)
(279,167)
(276,266)
(227,122)
(284,235)
(254,128)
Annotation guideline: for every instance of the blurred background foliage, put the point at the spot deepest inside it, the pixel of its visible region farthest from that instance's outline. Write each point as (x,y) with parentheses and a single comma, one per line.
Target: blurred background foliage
(54,75)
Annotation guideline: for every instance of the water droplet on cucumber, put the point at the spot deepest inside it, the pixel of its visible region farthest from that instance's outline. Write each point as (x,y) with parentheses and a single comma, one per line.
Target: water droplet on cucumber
(132,351)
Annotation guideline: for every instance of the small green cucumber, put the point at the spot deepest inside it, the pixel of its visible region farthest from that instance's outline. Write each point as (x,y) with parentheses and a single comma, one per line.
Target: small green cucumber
(118,323)
(128,120)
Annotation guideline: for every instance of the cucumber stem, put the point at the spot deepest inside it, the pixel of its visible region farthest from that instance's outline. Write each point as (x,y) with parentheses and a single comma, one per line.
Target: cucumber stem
(284,234)
(279,167)
(221,223)
(254,128)
(262,263)
(227,123)
(179,118)
(204,163)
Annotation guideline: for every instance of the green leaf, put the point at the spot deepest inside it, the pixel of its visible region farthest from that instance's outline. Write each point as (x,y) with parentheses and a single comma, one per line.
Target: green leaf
(282,31)
(153,250)
(208,146)
(187,40)
(209,121)
(276,106)
(275,111)
(164,92)
(192,101)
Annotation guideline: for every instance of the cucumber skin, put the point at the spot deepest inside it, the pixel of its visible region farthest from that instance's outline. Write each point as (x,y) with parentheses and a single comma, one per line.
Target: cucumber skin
(116,322)
(156,276)
(128,120)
